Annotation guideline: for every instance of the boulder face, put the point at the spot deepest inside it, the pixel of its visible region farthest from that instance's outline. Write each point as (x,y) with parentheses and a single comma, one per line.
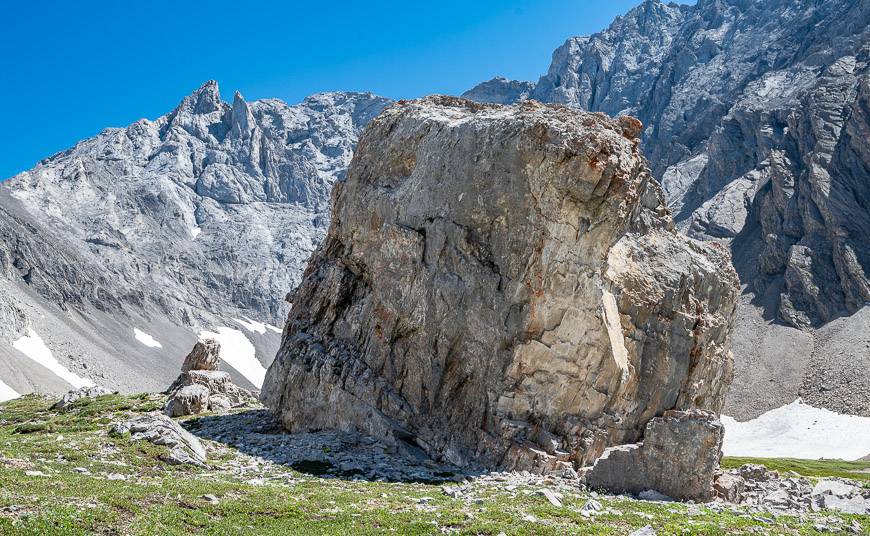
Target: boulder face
(757,124)
(679,457)
(502,286)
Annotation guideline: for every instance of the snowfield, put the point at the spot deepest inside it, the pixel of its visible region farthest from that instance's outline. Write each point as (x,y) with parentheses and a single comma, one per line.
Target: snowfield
(34,347)
(146,339)
(238,352)
(6,392)
(252,325)
(798,430)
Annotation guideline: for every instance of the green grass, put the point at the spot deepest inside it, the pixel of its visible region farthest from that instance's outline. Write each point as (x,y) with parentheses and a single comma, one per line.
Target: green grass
(160,499)
(808,468)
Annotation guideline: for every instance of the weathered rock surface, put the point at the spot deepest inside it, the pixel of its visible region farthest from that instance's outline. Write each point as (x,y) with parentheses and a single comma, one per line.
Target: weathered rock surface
(78,394)
(201,387)
(758,127)
(728,487)
(206,355)
(156,428)
(502,286)
(679,457)
(188,400)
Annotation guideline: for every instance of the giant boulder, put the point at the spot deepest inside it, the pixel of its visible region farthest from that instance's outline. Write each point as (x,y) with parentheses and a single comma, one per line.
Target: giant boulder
(502,286)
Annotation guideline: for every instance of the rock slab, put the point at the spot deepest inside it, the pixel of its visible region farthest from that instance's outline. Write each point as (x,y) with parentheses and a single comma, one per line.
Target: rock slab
(184,448)
(501,286)
(78,394)
(679,457)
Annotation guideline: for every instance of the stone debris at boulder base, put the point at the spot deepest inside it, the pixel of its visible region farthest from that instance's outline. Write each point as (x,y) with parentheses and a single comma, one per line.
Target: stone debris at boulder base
(502,287)
(201,387)
(757,487)
(679,457)
(79,394)
(156,428)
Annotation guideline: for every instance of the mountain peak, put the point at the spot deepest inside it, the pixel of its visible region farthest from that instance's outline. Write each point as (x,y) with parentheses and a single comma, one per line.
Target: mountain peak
(204,100)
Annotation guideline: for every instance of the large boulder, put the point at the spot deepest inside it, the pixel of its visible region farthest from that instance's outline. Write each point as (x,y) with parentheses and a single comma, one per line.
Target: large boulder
(502,286)
(679,457)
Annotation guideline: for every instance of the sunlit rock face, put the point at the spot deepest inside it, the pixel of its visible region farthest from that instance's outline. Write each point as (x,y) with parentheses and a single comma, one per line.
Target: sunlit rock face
(757,125)
(503,287)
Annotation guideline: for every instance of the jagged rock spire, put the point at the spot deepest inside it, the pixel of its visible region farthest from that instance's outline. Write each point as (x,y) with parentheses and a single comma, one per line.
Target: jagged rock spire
(206,99)
(242,119)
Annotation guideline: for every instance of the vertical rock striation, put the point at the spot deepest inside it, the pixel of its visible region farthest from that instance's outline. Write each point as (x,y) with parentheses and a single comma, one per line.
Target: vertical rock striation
(758,127)
(502,286)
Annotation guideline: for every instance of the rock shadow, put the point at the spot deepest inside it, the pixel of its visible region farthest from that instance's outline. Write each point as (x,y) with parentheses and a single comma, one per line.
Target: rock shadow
(325,453)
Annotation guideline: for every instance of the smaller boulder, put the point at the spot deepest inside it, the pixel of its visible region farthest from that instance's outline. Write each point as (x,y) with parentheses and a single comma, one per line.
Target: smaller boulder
(204,389)
(756,472)
(728,487)
(678,457)
(188,400)
(184,447)
(79,394)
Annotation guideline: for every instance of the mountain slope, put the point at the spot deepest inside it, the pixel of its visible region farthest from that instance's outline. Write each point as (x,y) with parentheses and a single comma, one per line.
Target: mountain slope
(121,250)
(758,127)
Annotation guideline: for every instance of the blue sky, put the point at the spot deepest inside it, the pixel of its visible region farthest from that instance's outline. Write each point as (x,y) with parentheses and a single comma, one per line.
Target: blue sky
(70,69)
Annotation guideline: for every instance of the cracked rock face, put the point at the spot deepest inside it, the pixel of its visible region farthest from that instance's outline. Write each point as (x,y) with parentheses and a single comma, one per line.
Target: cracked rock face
(678,457)
(757,124)
(502,286)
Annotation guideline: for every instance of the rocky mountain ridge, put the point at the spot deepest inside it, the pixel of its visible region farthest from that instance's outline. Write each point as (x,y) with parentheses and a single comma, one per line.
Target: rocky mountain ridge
(199,220)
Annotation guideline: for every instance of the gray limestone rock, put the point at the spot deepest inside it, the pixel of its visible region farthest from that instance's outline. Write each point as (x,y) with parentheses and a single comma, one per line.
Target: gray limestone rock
(728,487)
(205,355)
(79,394)
(502,286)
(201,387)
(188,400)
(679,457)
(156,428)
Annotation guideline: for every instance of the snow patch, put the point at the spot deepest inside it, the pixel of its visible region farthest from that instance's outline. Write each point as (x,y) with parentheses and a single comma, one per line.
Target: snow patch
(276,329)
(6,392)
(194,231)
(34,347)
(146,339)
(252,325)
(238,352)
(798,430)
